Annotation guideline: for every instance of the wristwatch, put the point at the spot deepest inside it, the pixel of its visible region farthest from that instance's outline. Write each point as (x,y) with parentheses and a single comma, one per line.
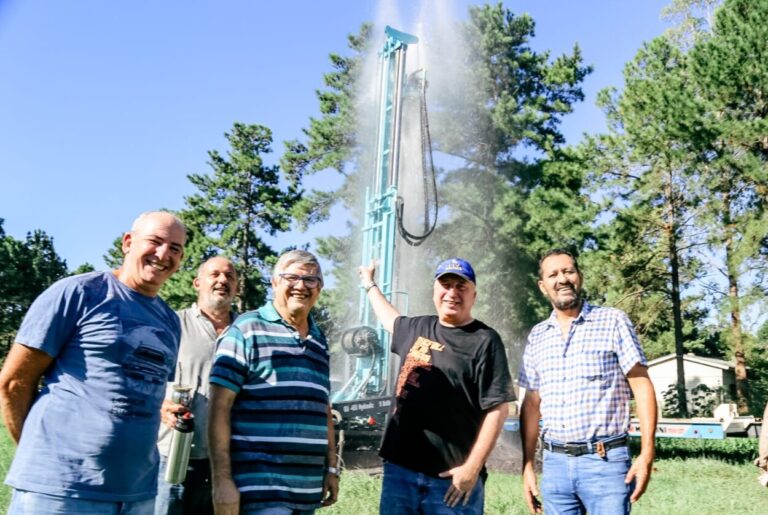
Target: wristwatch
(333,470)
(368,286)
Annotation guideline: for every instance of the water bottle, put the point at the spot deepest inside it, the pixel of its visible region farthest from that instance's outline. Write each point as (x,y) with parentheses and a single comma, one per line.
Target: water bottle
(181,445)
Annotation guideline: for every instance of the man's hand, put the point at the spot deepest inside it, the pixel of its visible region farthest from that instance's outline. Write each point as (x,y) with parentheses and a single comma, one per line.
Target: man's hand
(463,480)
(226,497)
(641,473)
(330,489)
(367,273)
(531,491)
(170,410)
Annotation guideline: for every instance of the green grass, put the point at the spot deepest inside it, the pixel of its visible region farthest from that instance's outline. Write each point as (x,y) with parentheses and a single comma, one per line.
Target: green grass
(7,448)
(695,486)
(691,486)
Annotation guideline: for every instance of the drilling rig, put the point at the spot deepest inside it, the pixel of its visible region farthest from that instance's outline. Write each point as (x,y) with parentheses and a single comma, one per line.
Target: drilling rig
(366,397)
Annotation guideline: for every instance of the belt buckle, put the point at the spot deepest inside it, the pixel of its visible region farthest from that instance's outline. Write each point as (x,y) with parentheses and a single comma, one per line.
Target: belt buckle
(573,449)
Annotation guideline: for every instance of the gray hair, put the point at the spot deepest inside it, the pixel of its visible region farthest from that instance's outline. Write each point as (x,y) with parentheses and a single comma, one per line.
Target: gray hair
(142,218)
(301,257)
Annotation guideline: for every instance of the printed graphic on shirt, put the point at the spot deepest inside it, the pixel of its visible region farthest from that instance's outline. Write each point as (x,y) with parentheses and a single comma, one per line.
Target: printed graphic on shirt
(419,359)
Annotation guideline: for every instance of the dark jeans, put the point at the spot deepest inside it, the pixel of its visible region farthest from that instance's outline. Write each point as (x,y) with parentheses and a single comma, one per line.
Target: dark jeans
(405,492)
(192,497)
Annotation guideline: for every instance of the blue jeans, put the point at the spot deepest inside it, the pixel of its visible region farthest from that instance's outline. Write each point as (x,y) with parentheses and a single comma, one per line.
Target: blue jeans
(406,492)
(33,503)
(588,483)
(192,497)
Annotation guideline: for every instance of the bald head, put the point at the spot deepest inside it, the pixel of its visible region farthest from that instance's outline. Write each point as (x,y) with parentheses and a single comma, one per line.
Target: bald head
(152,250)
(163,217)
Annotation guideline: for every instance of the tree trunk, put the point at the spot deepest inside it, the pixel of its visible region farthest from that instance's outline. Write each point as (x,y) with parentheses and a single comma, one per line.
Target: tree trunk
(674,270)
(737,342)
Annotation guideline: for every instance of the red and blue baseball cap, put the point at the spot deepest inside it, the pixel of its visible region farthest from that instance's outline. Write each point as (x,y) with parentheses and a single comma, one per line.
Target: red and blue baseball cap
(456,266)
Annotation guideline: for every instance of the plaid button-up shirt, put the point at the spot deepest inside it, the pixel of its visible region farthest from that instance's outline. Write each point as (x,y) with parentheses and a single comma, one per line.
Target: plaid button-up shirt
(581,379)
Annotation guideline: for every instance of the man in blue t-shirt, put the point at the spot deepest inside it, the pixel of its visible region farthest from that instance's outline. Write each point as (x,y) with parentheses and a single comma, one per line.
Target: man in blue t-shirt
(104,345)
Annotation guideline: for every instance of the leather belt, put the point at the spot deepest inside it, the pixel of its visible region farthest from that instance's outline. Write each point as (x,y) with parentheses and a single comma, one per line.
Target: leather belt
(579,449)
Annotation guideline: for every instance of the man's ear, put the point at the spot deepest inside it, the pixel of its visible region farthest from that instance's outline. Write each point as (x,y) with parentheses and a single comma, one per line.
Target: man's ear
(541,287)
(127,240)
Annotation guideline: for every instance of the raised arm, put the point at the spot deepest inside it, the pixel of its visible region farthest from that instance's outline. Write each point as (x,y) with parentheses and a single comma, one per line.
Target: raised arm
(19,378)
(385,311)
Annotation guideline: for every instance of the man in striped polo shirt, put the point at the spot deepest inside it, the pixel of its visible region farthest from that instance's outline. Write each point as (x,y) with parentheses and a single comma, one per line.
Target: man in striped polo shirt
(578,369)
(270,429)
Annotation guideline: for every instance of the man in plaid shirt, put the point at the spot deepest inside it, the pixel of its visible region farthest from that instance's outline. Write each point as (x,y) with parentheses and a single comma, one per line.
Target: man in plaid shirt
(579,368)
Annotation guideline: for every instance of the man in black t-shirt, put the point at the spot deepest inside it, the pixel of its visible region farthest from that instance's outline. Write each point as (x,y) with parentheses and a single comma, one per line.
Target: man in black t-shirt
(452,394)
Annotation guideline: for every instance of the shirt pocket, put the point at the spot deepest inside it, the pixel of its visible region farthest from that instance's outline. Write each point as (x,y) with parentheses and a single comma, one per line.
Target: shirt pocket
(147,364)
(597,367)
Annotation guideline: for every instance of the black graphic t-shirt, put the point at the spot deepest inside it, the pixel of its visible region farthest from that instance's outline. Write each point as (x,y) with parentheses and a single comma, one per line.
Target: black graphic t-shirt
(449,377)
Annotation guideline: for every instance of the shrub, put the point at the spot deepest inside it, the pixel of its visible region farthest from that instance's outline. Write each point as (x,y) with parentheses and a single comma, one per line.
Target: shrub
(730,450)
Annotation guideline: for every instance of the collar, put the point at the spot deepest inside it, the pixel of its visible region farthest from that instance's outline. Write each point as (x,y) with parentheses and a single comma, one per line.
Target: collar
(269,312)
(584,314)
(198,313)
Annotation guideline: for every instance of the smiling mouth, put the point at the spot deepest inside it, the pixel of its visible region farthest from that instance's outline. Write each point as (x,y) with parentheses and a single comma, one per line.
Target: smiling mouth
(157,266)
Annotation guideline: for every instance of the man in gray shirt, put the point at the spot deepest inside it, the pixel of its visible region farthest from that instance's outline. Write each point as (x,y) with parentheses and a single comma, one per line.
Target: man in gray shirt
(201,324)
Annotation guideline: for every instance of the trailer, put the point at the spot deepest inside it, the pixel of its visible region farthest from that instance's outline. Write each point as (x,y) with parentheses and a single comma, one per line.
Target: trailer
(725,422)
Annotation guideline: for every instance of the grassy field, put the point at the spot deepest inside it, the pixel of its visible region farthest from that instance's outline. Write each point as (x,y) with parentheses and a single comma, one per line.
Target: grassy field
(698,486)
(693,486)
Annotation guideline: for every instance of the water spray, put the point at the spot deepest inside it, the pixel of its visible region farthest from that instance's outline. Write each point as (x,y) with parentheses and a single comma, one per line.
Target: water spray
(368,391)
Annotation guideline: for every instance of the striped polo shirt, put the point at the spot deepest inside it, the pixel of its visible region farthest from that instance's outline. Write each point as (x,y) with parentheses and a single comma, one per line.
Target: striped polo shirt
(279,418)
(581,379)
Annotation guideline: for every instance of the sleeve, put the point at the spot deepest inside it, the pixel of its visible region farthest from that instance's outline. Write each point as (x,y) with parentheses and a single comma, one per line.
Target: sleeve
(52,319)
(628,348)
(230,363)
(404,326)
(528,377)
(494,379)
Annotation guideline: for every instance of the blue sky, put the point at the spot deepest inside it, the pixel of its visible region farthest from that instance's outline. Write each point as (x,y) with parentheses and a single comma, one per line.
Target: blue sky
(106,106)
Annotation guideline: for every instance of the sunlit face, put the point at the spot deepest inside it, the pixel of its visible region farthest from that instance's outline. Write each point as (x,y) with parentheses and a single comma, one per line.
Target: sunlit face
(153,253)
(294,297)
(216,284)
(454,297)
(561,282)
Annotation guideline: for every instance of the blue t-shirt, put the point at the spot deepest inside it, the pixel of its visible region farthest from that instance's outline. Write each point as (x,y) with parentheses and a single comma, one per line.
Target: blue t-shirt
(92,429)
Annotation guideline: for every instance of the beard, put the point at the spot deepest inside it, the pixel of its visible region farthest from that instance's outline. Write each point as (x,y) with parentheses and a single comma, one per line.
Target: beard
(567,304)
(217,303)
(573,302)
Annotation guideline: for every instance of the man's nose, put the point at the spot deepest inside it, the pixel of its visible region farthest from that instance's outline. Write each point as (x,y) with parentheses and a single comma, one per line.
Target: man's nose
(163,251)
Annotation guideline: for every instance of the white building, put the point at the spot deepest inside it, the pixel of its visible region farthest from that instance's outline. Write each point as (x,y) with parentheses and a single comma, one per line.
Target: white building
(713,372)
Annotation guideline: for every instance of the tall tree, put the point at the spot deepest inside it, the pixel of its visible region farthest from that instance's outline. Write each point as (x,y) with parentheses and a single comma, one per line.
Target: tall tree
(730,76)
(237,204)
(644,167)
(515,180)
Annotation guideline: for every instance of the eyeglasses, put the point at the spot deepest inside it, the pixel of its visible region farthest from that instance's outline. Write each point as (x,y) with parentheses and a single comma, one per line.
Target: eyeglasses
(310,281)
